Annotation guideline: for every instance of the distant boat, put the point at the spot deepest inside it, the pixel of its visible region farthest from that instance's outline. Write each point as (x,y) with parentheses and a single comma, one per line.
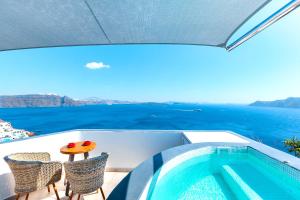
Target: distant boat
(198,110)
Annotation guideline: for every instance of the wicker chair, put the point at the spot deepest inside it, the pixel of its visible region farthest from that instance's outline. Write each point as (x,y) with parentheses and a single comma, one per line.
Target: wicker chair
(86,176)
(33,171)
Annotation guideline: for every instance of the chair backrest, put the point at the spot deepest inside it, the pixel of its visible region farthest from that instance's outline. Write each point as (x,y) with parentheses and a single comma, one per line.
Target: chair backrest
(86,176)
(26,168)
(31,156)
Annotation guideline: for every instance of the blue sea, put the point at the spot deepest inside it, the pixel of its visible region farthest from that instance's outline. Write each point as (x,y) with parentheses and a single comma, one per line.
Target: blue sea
(268,125)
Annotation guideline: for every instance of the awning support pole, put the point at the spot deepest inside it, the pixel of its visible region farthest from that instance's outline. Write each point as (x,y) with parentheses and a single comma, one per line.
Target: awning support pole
(292,5)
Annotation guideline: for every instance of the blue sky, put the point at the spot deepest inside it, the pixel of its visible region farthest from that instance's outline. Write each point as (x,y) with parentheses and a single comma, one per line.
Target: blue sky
(267,67)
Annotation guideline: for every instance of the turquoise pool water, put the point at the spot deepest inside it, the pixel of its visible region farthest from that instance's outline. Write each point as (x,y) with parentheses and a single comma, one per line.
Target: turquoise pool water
(227,173)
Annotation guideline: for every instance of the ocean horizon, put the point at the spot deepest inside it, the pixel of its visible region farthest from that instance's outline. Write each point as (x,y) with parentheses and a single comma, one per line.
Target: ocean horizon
(267,125)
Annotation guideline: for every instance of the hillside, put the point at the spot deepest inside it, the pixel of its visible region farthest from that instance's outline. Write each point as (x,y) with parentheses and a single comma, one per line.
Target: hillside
(291,102)
(37,100)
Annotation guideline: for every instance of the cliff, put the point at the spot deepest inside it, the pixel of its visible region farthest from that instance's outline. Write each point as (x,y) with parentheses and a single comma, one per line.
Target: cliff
(36,100)
(291,102)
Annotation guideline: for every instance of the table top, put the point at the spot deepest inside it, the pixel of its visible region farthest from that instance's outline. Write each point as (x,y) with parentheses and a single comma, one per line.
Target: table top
(78,148)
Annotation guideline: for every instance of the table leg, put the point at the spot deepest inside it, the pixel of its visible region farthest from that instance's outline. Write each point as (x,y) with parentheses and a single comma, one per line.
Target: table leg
(71,159)
(86,155)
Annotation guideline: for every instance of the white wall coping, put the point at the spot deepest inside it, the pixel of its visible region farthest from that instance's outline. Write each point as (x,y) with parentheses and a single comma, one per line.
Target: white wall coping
(213,136)
(228,137)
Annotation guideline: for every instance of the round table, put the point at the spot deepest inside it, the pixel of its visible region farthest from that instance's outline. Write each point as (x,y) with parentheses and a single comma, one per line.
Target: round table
(78,149)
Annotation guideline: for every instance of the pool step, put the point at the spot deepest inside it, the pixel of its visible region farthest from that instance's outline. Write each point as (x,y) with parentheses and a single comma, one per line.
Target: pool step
(238,186)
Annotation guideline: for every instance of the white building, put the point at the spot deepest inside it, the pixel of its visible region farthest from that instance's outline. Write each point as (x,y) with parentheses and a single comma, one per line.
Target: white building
(8,133)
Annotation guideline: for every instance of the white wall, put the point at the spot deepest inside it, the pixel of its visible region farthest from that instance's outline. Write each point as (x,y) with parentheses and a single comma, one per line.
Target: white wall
(127,148)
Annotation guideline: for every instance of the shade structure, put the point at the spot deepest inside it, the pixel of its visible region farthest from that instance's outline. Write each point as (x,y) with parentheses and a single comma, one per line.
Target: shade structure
(48,23)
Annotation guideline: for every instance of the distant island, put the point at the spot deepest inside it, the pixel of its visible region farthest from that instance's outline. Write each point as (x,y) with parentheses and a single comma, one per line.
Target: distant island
(291,102)
(39,100)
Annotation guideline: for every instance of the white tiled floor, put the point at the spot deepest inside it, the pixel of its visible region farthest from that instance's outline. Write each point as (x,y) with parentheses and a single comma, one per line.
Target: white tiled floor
(111,180)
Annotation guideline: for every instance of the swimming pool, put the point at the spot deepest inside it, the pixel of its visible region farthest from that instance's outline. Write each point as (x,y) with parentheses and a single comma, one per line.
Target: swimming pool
(221,173)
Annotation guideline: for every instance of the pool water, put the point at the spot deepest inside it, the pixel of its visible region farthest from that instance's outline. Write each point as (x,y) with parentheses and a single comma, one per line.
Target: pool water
(227,173)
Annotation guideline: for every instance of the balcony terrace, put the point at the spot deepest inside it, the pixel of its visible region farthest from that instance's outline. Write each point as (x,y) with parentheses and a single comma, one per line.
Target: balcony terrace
(210,23)
(127,148)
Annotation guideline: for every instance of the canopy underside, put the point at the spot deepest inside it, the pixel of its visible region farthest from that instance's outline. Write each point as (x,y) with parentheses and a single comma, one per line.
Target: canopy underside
(48,23)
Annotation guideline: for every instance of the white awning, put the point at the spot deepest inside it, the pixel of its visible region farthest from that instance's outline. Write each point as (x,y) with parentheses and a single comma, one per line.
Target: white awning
(49,23)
